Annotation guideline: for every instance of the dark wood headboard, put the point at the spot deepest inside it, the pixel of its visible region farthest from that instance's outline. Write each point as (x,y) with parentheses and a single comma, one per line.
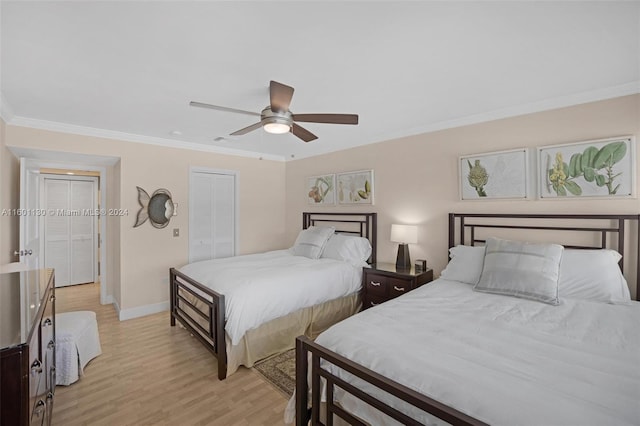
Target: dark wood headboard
(360,224)
(600,231)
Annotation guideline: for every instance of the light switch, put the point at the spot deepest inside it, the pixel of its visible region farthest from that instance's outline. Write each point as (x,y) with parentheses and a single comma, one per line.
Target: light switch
(176,232)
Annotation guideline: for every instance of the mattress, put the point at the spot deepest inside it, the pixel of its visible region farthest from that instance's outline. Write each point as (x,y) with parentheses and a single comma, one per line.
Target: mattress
(500,359)
(261,287)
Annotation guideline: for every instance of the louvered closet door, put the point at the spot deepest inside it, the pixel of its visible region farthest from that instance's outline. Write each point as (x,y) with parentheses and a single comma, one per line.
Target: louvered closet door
(70,231)
(57,229)
(211,216)
(82,235)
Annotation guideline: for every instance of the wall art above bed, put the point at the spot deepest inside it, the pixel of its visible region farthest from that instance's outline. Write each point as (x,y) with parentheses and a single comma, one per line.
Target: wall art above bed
(494,175)
(321,189)
(355,187)
(598,168)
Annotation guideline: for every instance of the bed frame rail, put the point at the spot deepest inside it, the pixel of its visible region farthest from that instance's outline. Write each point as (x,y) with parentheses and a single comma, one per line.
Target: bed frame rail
(305,346)
(213,336)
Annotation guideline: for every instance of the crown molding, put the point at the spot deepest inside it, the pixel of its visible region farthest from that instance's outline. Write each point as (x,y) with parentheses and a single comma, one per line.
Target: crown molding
(631,88)
(544,105)
(131,137)
(6,113)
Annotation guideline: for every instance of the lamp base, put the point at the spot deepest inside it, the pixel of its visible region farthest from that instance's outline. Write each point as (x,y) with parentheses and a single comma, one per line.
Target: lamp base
(403,261)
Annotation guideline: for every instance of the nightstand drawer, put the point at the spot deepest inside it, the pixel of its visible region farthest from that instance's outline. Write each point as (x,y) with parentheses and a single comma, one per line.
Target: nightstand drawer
(398,287)
(377,284)
(371,301)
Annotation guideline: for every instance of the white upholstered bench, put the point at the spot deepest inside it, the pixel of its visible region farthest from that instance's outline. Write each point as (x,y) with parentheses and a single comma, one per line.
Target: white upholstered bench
(77,343)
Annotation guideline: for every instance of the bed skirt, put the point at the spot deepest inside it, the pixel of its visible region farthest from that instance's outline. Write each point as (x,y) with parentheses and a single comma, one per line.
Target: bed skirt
(279,335)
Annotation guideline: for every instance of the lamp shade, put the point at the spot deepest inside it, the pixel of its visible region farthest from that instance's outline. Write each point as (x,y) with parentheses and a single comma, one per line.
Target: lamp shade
(407,234)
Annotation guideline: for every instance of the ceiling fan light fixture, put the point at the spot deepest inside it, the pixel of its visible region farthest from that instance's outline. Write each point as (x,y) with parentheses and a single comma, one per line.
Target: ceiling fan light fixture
(276,127)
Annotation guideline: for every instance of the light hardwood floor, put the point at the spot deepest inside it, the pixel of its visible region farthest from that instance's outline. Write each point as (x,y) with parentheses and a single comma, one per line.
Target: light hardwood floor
(152,374)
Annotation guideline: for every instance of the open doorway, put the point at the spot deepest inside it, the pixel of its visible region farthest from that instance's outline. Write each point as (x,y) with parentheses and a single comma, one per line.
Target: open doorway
(34,161)
(70,242)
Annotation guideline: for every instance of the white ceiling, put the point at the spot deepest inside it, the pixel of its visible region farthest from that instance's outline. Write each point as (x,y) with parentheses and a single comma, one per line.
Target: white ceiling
(129,69)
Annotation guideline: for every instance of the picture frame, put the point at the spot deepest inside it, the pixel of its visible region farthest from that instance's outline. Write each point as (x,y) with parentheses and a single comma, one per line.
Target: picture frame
(321,189)
(595,168)
(355,187)
(494,175)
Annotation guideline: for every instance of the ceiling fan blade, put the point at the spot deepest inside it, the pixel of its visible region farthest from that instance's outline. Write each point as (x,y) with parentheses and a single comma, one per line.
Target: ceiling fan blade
(280,96)
(302,133)
(247,129)
(327,118)
(221,108)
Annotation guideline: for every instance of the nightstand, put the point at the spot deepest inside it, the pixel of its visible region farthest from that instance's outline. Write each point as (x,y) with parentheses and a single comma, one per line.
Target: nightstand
(383,282)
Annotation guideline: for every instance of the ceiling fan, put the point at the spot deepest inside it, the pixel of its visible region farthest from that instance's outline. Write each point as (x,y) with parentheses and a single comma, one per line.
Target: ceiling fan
(277,118)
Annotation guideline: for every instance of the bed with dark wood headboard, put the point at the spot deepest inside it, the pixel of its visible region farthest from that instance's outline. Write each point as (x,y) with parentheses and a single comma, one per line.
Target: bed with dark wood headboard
(202,311)
(328,366)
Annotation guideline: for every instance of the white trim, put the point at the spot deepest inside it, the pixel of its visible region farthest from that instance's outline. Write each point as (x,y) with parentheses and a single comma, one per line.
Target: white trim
(43,163)
(116,306)
(236,207)
(6,112)
(528,108)
(130,137)
(141,311)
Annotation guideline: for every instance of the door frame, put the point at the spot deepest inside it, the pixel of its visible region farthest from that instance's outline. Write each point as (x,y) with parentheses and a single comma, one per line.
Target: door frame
(236,202)
(37,164)
(95,201)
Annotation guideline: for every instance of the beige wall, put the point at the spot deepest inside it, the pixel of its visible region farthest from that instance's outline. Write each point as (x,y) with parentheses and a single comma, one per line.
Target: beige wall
(416,181)
(9,199)
(146,253)
(416,178)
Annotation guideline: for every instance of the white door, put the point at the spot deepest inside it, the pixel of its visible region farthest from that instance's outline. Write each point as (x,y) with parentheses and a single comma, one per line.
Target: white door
(70,228)
(212,215)
(31,214)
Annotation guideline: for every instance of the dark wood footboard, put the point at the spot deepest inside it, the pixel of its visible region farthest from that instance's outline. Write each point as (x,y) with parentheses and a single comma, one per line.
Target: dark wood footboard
(304,347)
(213,335)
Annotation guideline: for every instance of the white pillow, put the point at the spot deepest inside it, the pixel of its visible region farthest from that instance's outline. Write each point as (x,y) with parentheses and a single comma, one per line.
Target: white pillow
(593,275)
(348,248)
(311,241)
(520,269)
(465,265)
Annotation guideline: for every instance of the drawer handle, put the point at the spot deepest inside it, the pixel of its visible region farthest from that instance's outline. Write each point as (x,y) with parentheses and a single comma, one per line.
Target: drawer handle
(36,367)
(398,288)
(39,408)
(375,284)
(47,322)
(51,344)
(373,304)
(52,298)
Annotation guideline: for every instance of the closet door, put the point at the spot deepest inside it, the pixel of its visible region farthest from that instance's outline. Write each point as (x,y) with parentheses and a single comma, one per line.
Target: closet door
(82,233)
(70,229)
(57,229)
(212,214)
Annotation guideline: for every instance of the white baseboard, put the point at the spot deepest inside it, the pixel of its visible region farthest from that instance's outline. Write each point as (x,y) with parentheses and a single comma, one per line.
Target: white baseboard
(141,311)
(109,300)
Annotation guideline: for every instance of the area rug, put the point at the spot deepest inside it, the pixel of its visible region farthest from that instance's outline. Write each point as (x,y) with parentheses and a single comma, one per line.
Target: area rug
(280,371)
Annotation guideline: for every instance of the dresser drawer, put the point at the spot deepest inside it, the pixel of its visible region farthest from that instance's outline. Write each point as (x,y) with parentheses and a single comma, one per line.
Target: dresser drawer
(371,300)
(398,287)
(377,284)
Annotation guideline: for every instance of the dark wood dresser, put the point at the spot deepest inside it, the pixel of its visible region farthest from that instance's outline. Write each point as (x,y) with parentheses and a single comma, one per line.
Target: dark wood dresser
(27,347)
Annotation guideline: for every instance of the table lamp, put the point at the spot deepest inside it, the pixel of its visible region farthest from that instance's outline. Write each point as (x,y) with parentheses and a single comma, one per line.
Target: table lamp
(405,235)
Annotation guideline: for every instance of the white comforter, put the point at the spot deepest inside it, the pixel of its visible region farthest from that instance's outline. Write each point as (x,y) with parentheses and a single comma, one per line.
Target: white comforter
(503,360)
(265,286)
